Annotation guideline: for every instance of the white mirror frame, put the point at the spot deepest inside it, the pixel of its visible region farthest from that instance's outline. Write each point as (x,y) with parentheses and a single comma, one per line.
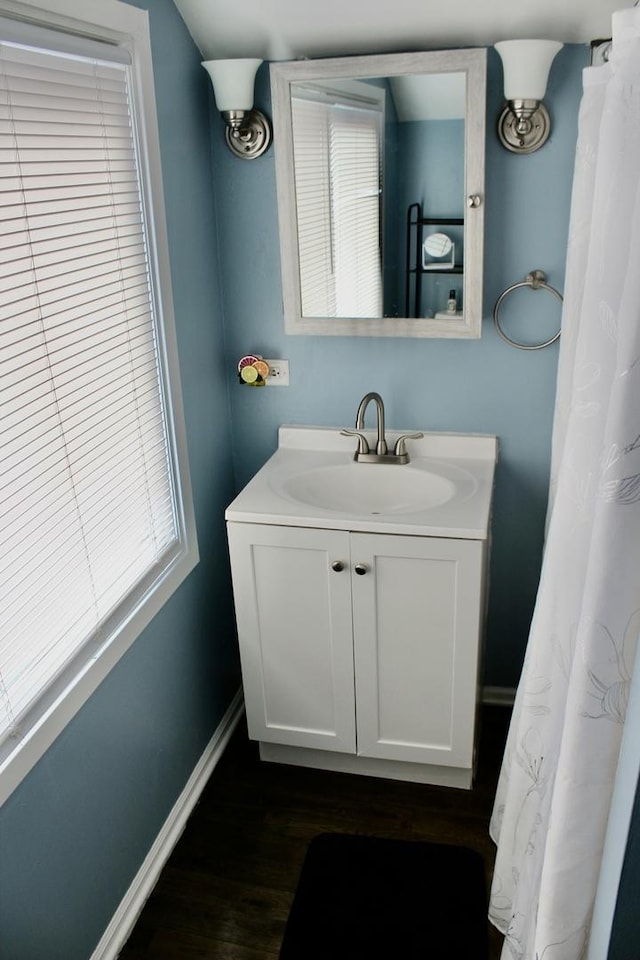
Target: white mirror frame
(470,62)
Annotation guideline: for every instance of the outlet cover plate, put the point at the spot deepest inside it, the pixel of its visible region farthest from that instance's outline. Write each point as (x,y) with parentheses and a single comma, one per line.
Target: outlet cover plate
(278,373)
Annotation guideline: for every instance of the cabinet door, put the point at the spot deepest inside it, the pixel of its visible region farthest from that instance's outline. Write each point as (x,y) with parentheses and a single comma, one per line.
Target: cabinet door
(294,625)
(416,627)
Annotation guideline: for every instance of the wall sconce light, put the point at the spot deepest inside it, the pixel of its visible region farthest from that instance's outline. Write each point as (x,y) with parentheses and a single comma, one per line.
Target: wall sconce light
(524,124)
(247,132)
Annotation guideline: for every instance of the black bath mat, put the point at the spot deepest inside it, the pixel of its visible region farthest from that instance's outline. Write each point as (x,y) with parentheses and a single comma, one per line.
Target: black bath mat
(367,898)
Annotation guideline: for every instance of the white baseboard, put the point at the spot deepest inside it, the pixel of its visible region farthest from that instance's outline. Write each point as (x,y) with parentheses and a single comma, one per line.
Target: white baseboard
(123,920)
(498,696)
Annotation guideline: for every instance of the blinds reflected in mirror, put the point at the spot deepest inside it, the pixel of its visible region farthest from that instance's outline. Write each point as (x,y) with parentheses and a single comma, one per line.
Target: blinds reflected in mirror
(337,142)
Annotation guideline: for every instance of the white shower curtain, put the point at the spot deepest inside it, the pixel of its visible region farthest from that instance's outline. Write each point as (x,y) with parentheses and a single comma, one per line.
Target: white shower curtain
(555,786)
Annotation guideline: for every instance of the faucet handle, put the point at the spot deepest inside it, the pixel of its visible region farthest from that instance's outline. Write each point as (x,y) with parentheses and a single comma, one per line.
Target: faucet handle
(400,450)
(363,446)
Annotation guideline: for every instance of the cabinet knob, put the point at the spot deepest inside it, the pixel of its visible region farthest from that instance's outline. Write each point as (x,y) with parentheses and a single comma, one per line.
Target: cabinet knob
(474,200)
(361,569)
(337,565)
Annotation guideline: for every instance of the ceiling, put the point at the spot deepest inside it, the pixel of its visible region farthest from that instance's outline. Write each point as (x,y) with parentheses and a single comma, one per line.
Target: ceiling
(293,29)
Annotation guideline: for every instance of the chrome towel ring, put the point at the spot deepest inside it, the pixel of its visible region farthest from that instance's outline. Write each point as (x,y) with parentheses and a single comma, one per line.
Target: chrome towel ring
(536,280)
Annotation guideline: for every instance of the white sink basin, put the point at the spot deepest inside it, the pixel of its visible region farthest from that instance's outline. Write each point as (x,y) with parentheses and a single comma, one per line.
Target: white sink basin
(312,480)
(372,489)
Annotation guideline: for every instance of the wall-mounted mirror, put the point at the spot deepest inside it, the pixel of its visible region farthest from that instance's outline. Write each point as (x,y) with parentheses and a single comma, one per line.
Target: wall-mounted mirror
(380,177)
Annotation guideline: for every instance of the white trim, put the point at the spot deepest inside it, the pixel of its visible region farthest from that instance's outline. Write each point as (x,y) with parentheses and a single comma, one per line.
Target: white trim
(498,696)
(124,919)
(112,20)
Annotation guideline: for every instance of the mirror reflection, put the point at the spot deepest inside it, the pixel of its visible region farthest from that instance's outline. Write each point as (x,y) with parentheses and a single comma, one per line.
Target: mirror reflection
(369,157)
(426,195)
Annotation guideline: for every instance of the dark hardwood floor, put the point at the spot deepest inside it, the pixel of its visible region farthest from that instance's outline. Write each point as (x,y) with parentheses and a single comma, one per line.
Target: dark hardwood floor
(225,892)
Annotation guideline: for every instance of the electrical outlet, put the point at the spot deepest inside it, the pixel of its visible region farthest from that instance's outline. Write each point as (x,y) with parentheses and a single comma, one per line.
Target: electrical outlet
(278,373)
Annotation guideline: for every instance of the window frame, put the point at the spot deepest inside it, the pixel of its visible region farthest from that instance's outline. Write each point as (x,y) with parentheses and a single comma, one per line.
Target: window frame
(127,26)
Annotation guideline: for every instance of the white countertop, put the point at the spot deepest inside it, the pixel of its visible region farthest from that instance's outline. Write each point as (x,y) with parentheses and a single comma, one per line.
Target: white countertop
(464,462)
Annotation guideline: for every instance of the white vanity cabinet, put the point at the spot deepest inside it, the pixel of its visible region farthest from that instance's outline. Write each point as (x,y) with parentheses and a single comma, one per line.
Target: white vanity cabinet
(293,614)
(359,650)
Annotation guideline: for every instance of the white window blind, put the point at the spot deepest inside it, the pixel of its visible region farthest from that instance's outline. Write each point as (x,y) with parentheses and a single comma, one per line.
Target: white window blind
(313,205)
(89,515)
(355,179)
(337,179)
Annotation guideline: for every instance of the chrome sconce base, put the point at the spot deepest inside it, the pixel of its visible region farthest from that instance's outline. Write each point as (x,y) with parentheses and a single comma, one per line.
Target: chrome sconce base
(247,132)
(524,126)
(524,123)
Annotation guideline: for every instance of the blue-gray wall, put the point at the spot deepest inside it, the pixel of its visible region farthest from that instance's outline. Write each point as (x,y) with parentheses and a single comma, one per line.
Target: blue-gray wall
(482,385)
(75,832)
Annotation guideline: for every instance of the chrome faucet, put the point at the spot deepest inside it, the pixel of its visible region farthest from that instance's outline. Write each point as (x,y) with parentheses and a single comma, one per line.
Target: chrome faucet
(363,453)
(381,445)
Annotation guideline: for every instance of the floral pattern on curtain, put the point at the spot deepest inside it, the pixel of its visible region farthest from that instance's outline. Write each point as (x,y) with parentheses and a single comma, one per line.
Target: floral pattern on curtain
(555,787)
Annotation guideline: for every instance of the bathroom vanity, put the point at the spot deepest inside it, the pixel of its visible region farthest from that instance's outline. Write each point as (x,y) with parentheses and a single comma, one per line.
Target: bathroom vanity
(360,595)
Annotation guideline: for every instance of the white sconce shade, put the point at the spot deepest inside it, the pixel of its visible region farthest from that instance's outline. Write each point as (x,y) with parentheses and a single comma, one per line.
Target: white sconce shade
(247,131)
(233,82)
(526,65)
(524,124)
